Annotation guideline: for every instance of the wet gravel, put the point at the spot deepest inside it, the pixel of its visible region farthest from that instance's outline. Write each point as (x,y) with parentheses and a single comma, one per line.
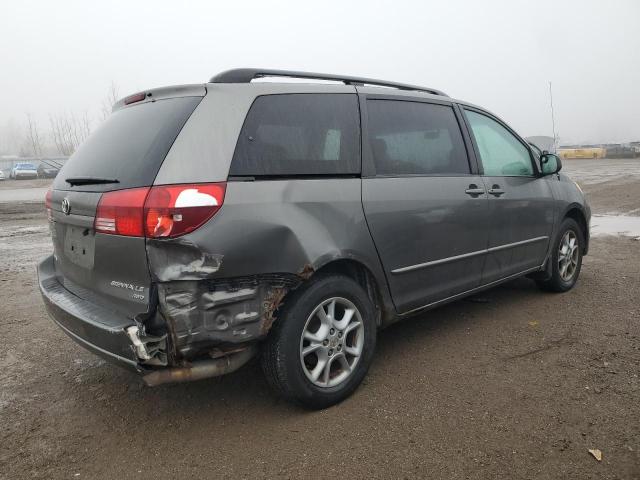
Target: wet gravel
(511,384)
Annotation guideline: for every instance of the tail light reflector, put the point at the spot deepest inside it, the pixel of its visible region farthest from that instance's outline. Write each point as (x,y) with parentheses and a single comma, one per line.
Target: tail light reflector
(158,211)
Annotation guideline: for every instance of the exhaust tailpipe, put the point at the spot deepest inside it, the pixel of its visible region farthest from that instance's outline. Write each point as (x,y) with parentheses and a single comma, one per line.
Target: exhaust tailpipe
(200,369)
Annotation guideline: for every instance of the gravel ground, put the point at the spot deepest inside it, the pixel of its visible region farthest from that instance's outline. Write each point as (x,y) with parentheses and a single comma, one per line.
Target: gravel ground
(511,384)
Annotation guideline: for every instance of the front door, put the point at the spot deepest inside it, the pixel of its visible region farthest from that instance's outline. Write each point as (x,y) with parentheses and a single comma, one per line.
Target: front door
(521,205)
(426,208)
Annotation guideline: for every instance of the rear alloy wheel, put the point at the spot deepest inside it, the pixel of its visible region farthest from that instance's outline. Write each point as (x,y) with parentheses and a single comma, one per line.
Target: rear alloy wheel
(322,342)
(332,342)
(566,258)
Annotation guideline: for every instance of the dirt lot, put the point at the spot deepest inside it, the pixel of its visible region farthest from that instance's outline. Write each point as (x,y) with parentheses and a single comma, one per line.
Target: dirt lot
(512,384)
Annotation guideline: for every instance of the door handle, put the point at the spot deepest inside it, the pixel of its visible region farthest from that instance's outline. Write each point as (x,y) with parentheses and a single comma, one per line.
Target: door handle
(496,191)
(473,190)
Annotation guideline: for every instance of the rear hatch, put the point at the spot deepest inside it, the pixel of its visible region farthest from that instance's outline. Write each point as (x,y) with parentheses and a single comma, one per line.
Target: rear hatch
(121,156)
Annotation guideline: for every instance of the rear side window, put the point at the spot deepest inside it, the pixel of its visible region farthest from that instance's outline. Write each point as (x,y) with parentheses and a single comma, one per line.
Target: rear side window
(412,138)
(299,134)
(130,145)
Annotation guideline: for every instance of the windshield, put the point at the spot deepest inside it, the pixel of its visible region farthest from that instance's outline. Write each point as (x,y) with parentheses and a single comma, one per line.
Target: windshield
(25,166)
(129,146)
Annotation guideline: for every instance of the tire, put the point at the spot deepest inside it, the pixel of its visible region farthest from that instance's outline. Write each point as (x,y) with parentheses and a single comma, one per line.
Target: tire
(289,372)
(565,275)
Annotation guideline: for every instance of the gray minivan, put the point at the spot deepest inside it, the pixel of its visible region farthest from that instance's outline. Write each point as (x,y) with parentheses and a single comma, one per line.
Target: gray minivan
(201,225)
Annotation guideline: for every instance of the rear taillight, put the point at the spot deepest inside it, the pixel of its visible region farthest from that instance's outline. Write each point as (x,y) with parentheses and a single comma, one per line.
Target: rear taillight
(173,210)
(47,199)
(121,212)
(159,211)
(47,204)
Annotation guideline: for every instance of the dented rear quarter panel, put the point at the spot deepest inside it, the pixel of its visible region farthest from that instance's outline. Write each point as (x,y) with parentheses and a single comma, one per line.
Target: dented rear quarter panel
(271,226)
(222,283)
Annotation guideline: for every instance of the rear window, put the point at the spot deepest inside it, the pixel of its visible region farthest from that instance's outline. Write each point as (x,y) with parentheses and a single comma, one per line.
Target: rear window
(129,146)
(299,134)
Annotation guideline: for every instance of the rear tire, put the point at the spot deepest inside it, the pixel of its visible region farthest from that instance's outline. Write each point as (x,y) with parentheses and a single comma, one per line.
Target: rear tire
(322,343)
(566,258)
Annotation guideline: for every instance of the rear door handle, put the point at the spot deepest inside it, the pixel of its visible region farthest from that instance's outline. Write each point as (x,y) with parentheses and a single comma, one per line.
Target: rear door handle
(473,190)
(496,191)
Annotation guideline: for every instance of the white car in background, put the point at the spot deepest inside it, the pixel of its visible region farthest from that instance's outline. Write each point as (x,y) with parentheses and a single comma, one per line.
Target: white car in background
(24,170)
(2,177)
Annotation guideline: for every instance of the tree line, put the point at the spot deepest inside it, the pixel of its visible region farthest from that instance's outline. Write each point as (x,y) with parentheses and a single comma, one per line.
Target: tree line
(61,134)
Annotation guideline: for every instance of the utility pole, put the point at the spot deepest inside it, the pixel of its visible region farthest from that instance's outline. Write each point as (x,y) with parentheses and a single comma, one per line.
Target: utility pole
(553,120)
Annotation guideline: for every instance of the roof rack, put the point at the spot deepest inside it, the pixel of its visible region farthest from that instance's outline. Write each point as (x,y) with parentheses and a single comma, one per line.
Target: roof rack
(245,75)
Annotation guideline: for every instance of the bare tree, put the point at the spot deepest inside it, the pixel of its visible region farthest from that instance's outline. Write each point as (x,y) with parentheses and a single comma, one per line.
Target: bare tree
(33,136)
(69,131)
(11,136)
(110,99)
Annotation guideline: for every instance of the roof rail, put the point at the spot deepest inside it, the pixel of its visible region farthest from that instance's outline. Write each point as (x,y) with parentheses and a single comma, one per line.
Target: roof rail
(245,75)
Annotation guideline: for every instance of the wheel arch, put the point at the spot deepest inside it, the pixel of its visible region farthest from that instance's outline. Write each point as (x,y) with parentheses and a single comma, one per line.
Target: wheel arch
(576,213)
(375,287)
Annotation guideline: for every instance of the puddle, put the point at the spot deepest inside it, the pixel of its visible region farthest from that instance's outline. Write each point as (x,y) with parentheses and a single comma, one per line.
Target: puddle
(615,225)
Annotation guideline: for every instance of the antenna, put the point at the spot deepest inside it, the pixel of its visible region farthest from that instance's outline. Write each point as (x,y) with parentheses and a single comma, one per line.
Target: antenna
(553,120)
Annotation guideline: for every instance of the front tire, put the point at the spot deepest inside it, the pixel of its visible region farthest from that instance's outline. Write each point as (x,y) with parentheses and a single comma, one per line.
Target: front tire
(566,258)
(322,343)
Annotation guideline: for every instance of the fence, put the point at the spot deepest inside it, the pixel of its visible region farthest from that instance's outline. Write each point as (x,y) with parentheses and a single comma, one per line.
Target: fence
(6,164)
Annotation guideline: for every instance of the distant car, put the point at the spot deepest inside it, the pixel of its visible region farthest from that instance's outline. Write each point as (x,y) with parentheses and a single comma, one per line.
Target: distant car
(2,177)
(47,171)
(23,170)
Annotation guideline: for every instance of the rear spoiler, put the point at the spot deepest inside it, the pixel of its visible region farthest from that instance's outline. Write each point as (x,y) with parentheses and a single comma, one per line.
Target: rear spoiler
(146,96)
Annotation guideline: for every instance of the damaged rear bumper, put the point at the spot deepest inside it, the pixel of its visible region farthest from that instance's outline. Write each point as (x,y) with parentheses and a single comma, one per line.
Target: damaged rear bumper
(97,329)
(211,326)
(205,315)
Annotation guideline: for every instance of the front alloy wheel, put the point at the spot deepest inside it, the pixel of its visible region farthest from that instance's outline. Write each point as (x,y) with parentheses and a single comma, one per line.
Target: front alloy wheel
(566,258)
(568,254)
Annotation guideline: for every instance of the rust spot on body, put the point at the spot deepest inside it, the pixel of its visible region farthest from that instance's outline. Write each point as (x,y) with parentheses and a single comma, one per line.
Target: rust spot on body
(271,303)
(306,272)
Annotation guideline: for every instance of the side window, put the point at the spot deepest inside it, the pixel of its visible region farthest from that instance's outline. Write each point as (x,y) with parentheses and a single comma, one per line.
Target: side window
(299,134)
(414,138)
(501,153)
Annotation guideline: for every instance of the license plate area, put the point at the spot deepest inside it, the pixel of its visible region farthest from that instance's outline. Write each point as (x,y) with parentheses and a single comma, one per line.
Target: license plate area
(79,246)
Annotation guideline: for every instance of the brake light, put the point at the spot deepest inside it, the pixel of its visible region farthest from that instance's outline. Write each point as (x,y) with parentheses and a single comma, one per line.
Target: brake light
(173,210)
(136,97)
(159,211)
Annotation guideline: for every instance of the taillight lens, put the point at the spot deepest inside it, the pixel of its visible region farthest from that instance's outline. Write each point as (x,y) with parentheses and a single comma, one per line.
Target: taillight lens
(159,211)
(47,199)
(121,212)
(173,210)
(47,204)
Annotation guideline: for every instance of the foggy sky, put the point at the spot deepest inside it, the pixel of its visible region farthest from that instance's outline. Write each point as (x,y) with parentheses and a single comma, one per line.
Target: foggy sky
(63,55)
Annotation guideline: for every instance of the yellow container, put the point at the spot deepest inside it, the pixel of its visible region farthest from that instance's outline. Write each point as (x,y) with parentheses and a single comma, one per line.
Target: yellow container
(590,152)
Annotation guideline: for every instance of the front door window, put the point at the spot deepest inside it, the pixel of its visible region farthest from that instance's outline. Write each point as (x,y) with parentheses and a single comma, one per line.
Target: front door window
(502,154)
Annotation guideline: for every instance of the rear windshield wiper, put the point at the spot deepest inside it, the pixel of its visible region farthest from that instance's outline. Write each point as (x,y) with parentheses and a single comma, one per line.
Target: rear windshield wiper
(90,180)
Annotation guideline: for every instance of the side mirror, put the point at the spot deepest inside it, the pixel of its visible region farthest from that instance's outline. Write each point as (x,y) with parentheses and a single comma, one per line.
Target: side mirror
(550,164)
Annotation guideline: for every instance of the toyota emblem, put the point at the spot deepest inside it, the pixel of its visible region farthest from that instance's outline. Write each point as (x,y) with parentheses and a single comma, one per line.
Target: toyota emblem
(66,206)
